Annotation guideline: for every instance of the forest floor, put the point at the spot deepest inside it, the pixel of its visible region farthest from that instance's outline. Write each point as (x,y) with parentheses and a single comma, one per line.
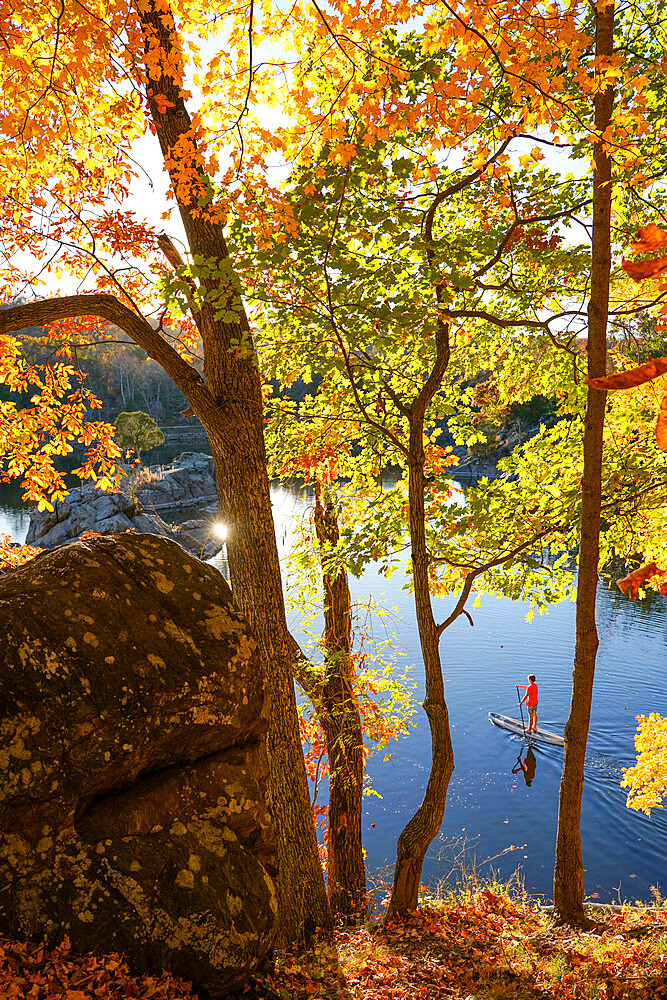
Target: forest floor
(476,945)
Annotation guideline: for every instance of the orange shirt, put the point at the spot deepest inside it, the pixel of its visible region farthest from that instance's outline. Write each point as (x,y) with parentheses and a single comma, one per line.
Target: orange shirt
(531,697)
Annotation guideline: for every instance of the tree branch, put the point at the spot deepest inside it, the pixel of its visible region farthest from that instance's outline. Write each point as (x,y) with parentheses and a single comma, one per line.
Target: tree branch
(459,608)
(111,309)
(456,187)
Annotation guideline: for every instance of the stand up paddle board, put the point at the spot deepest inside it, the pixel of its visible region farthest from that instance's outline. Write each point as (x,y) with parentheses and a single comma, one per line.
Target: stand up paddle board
(514,726)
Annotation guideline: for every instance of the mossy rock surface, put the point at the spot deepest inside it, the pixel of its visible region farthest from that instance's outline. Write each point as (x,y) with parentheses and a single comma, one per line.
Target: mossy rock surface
(132,767)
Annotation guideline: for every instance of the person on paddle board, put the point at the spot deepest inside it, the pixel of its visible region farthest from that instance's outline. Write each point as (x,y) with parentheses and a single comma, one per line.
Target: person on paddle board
(530,699)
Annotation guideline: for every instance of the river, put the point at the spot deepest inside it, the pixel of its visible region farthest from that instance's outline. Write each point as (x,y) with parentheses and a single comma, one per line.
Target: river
(489,808)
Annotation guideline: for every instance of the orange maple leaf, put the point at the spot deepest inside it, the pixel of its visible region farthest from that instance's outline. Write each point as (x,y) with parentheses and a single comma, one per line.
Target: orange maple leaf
(639,270)
(633,376)
(631,583)
(162,103)
(649,237)
(661,424)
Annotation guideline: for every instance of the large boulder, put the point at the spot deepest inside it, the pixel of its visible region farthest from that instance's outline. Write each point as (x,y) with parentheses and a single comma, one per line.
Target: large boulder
(132,766)
(188,482)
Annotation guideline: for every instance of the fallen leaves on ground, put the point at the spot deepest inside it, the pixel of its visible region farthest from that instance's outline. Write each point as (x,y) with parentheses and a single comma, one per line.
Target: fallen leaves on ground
(35,972)
(484,946)
(481,945)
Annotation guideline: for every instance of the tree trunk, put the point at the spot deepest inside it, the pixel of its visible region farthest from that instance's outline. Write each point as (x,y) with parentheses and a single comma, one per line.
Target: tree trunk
(237,445)
(415,839)
(236,433)
(243,489)
(568,874)
(340,719)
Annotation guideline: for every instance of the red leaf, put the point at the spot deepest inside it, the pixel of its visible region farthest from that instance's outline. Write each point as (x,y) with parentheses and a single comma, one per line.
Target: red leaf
(638,270)
(649,237)
(661,424)
(634,376)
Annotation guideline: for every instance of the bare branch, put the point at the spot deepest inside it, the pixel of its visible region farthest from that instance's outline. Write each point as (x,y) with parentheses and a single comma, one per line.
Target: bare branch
(471,576)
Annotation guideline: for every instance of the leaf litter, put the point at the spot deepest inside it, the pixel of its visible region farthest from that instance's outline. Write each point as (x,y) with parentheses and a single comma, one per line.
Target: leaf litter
(477,945)
(484,945)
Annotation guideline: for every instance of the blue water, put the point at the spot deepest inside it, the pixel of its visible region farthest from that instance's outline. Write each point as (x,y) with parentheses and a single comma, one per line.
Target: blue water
(488,807)
(624,852)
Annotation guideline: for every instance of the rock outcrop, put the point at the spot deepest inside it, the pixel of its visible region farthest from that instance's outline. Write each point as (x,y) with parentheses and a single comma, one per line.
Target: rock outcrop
(132,767)
(188,481)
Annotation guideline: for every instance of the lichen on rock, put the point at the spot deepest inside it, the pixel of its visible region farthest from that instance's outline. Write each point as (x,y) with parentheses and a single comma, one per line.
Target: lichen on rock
(132,767)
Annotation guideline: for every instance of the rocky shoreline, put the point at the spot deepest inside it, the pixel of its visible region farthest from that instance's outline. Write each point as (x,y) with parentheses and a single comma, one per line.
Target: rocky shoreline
(187,482)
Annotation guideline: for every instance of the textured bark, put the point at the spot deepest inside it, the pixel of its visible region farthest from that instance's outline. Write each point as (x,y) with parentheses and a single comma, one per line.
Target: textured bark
(415,839)
(340,719)
(236,432)
(245,506)
(568,874)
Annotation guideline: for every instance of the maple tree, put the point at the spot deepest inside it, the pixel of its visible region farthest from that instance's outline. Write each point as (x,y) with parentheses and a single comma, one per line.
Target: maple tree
(449,252)
(612,143)
(365,107)
(357,704)
(356,708)
(335,293)
(568,872)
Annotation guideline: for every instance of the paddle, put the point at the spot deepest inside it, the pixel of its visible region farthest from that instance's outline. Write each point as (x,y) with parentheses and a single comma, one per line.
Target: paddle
(521,710)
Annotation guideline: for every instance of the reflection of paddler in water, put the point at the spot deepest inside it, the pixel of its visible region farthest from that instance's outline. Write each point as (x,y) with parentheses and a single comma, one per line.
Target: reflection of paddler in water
(527,766)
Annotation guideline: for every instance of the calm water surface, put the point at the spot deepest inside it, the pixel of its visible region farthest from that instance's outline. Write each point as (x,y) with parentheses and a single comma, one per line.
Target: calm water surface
(488,806)
(625,853)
